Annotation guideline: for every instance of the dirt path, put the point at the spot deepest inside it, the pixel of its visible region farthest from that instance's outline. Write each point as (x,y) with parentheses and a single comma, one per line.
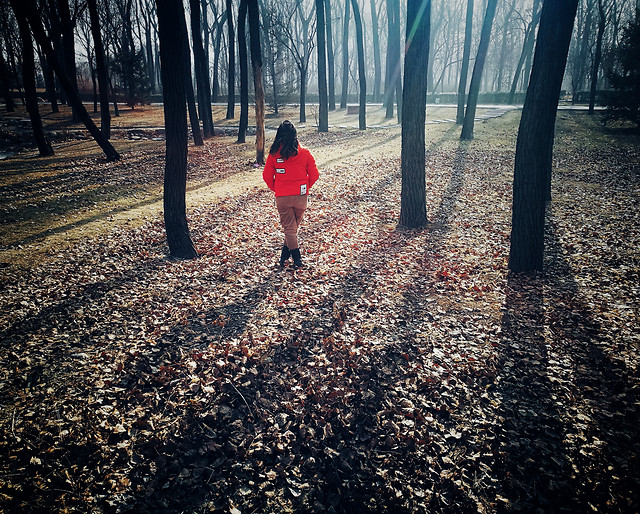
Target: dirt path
(136,136)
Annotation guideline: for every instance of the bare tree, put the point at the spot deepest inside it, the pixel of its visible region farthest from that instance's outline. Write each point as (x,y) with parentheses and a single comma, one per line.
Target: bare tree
(362,121)
(413,207)
(101,65)
(323,109)
(534,147)
(202,70)
(345,54)
(172,31)
(256,65)
(476,76)
(464,71)
(330,56)
(244,71)
(28,79)
(231,77)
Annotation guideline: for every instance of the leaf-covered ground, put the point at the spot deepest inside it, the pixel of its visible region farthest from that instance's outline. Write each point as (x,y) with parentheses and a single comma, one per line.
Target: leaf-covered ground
(399,371)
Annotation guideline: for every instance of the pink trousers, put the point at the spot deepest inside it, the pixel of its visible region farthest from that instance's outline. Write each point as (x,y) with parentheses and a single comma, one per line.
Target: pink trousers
(291,209)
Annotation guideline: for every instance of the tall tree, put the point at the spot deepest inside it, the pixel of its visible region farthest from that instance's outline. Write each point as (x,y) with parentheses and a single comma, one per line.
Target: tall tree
(527,48)
(534,147)
(393,83)
(231,75)
(28,79)
(72,94)
(258,87)
(101,65)
(300,46)
(597,58)
(323,109)
(377,65)
(202,70)
(413,207)
(331,72)
(464,70)
(362,79)
(67,25)
(244,71)
(476,75)
(175,72)
(345,54)
(5,80)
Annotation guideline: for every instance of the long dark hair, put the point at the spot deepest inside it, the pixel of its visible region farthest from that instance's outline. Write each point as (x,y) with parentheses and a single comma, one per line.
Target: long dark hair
(286,141)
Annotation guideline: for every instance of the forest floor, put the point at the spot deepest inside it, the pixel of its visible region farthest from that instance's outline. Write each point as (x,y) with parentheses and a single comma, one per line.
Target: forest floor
(398,371)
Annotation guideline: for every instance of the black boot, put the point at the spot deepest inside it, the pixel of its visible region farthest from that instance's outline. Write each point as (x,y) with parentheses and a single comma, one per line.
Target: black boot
(297,261)
(284,255)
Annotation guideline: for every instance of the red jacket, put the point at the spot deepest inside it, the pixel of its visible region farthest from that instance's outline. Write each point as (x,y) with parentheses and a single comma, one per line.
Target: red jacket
(293,176)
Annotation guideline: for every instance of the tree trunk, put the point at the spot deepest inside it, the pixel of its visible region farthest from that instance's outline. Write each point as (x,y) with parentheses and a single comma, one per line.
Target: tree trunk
(397,48)
(602,21)
(202,70)
(256,64)
(303,93)
(345,55)
(68,48)
(527,46)
(231,76)
(362,79)
(71,92)
(390,64)
(476,75)
(103,79)
(5,79)
(323,109)
(413,205)
(464,71)
(330,57)
(175,76)
(193,111)
(29,81)
(244,71)
(377,65)
(534,147)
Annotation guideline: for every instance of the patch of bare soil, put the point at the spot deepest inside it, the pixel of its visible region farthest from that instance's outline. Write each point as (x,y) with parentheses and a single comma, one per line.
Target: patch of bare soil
(399,371)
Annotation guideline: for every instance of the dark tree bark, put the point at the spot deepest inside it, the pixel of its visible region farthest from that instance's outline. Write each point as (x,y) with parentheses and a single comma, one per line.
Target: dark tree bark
(202,71)
(191,104)
(534,147)
(413,205)
(72,94)
(362,79)
(50,83)
(103,79)
(5,80)
(258,86)
(394,59)
(216,64)
(464,71)
(377,64)
(175,73)
(476,75)
(68,48)
(527,47)
(323,109)
(231,76)
(244,71)
(602,22)
(28,79)
(345,55)
(330,57)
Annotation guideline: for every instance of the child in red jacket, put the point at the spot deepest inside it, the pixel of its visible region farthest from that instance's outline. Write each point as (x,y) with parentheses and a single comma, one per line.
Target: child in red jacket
(290,172)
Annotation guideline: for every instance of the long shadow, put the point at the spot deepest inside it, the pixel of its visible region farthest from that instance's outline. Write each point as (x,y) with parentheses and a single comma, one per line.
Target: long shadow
(571,445)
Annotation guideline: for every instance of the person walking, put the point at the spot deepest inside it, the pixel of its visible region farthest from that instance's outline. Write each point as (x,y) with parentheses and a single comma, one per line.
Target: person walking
(290,172)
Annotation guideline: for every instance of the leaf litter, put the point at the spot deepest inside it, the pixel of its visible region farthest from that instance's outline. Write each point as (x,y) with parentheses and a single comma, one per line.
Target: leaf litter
(400,370)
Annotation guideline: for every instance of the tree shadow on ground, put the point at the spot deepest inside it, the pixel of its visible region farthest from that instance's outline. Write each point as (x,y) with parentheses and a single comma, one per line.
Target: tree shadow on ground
(569,439)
